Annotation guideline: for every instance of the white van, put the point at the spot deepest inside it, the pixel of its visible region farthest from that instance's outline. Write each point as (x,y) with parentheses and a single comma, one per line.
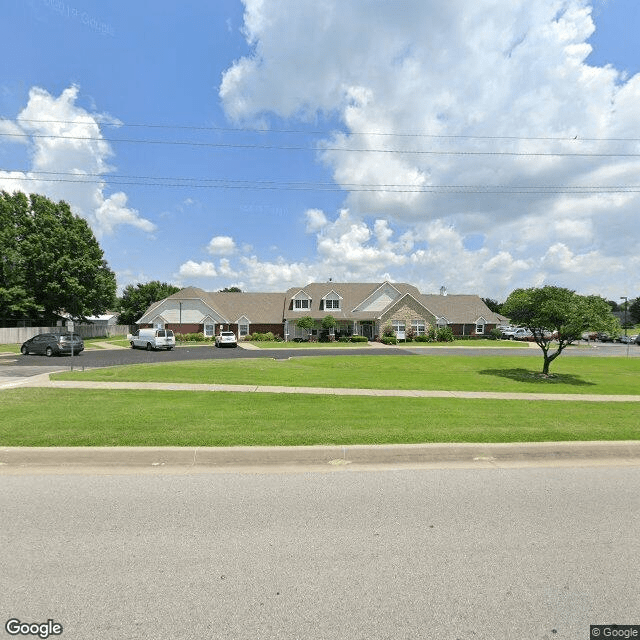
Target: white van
(153,339)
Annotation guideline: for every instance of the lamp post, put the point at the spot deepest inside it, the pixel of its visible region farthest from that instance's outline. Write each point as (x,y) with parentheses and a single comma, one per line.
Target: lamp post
(626,304)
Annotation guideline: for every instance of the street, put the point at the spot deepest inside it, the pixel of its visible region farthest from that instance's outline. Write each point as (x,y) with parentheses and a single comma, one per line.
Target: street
(443,553)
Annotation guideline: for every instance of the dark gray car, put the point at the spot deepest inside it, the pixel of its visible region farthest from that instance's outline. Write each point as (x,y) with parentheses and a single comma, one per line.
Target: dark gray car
(52,344)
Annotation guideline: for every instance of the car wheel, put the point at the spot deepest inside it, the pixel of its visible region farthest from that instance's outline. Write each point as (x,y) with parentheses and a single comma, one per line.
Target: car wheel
(49,352)
(133,346)
(149,347)
(24,351)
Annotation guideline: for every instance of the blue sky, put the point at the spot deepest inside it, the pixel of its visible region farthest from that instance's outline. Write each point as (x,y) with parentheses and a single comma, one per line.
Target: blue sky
(266,144)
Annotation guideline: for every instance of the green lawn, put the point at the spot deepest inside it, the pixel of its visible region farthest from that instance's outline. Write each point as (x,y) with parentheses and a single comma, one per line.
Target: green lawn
(436,372)
(363,345)
(52,417)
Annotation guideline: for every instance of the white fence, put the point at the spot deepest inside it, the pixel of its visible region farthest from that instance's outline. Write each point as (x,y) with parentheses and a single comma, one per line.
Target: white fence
(17,335)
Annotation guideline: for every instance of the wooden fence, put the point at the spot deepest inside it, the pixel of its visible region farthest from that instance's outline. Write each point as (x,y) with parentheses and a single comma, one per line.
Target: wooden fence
(17,335)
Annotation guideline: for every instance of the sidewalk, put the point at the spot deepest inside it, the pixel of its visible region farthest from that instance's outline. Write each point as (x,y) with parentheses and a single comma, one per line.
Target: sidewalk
(43,380)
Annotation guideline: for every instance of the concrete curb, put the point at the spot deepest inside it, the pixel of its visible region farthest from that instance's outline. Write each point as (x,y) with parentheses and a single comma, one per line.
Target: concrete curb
(472,455)
(43,380)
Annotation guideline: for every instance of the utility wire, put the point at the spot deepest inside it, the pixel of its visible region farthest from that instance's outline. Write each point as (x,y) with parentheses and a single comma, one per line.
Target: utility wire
(96,120)
(224,145)
(222,183)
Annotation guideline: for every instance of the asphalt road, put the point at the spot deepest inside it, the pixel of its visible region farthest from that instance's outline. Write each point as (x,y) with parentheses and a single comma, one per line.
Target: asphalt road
(111,357)
(403,554)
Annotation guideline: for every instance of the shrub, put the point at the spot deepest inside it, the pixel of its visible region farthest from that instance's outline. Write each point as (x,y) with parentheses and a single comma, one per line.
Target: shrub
(344,339)
(444,334)
(359,339)
(424,338)
(388,332)
(495,334)
(432,334)
(389,340)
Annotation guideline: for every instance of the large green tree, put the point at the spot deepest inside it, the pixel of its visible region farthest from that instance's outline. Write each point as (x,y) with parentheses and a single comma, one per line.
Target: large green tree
(50,261)
(136,299)
(634,310)
(557,317)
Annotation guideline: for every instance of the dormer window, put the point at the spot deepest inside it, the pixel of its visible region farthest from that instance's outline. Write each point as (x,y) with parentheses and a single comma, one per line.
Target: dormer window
(331,301)
(301,301)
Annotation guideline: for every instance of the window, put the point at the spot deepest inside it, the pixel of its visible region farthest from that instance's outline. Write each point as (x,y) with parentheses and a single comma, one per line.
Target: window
(332,304)
(479,328)
(398,325)
(302,303)
(243,329)
(208,330)
(418,327)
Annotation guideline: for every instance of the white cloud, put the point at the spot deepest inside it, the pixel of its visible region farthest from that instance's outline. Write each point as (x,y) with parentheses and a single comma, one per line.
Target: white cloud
(192,269)
(221,246)
(315,220)
(83,155)
(476,77)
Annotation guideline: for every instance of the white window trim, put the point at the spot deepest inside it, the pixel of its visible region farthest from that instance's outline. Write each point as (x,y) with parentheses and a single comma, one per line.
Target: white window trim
(301,300)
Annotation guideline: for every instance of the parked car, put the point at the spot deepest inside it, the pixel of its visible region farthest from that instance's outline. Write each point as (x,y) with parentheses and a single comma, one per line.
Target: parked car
(637,340)
(517,333)
(151,339)
(53,344)
(226,339)
(625,339)
(604,337)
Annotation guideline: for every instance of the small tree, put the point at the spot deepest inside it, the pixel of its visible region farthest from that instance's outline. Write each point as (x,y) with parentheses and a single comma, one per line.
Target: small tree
(329,323)
(307,323)
(553,313)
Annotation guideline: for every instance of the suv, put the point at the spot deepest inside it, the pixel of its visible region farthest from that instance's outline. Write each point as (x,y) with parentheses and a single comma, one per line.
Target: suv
(226,338)
(53,344)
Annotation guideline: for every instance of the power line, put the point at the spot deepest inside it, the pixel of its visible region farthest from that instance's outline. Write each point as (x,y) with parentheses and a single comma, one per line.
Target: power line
(225,145)
(96,120)
(224,183)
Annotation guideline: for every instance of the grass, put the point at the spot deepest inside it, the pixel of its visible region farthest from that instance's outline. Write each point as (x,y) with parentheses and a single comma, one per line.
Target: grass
(608,376)
(363,345)
(52,417)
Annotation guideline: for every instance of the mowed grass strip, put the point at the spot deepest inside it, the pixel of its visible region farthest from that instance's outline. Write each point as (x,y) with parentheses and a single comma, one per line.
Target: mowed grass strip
(515,374)
(56,417)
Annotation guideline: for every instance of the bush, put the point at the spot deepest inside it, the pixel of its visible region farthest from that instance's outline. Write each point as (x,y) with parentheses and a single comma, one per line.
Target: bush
(344,339)
(389,340)
(359,339)
(495,334)
(424,338)
(444,334)
(192,337)
(388,332)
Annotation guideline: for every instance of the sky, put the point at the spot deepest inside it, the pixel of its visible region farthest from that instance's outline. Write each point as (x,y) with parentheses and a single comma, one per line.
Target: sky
(479,145)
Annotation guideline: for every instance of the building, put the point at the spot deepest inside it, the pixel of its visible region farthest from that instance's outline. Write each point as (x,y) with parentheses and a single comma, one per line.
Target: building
(358,308)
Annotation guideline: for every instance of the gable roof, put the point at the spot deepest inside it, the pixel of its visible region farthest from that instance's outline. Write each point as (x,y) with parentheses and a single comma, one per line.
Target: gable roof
(258,308)
(459,309)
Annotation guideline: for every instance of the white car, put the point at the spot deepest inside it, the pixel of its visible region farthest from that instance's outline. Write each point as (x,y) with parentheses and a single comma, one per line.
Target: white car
(226,339)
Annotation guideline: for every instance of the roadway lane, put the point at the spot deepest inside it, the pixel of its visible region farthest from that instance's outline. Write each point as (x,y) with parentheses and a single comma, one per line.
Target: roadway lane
(111,357)
(405,554)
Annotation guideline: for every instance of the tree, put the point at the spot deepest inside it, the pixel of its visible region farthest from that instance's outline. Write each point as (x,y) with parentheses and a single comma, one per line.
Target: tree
(493,305)
(307,323)
(136,299)
(553,313)
(634,310)
(230,290)
(329,322)
(50,261)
